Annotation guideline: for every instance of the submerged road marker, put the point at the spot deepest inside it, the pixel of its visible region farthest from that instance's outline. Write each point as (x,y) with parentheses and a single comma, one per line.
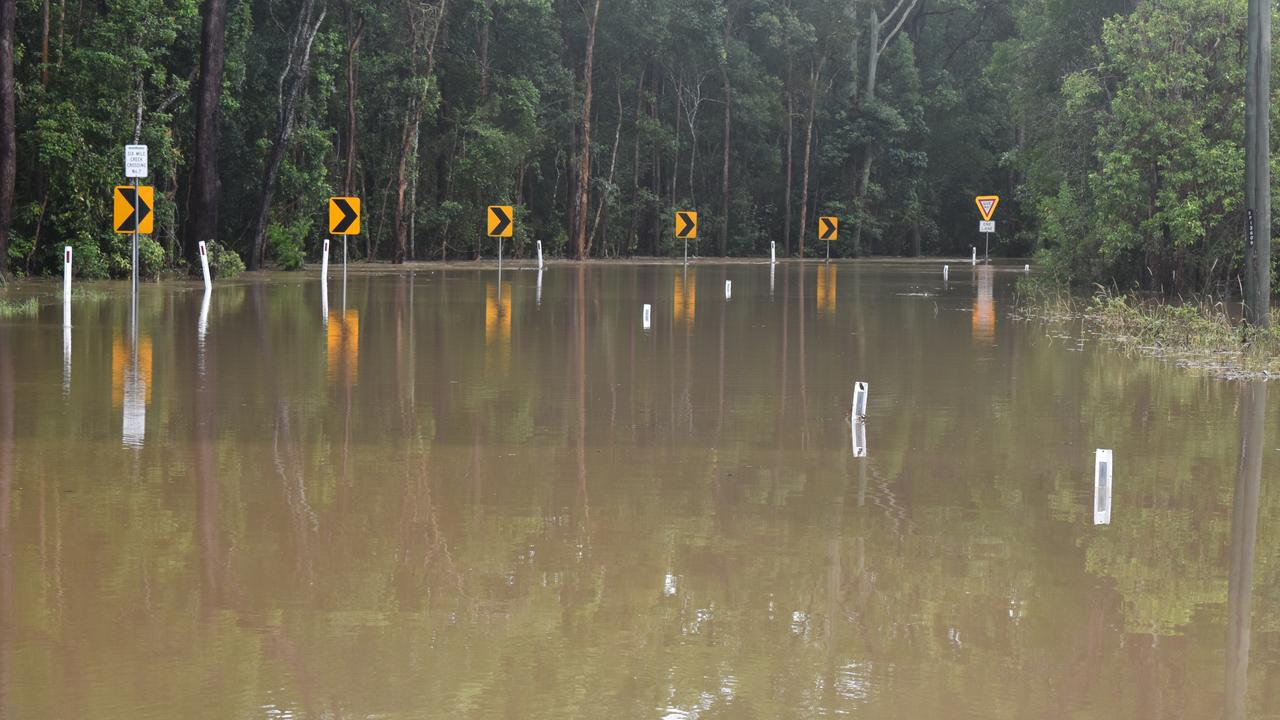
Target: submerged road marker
(773,252)
(646,316)
(946,270)
(859,412)
(539,254)
(1102,469)
(66,286)
(728,289)
(204,265)
(324,261)
(859,439)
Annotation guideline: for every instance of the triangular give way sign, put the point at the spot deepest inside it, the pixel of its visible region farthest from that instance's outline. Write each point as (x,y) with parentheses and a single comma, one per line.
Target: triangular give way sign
(987,205)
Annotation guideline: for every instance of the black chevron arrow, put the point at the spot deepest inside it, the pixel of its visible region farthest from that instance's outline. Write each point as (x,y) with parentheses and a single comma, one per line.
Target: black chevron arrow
(828,229)
(503,221)
(140,210)
(687,227)
(349,216)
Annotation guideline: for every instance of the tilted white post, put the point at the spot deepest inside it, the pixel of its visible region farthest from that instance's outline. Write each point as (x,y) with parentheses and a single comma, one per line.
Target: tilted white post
(538,296)
(204,265)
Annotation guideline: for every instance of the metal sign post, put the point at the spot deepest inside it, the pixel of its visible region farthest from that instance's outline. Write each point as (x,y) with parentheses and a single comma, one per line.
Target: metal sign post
(135,166)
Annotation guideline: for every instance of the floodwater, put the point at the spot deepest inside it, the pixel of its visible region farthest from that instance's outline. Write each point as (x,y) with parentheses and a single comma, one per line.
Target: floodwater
(452,496)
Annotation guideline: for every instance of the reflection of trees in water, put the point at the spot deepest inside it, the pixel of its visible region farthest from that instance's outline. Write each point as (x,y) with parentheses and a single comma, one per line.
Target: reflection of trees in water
(1244,535)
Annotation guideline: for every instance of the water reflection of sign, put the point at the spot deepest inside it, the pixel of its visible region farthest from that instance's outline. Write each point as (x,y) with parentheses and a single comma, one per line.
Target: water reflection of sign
(1102,468)
(343,347)
(131,386)
(497,313)
(984,307)
(684,297)
(827,290)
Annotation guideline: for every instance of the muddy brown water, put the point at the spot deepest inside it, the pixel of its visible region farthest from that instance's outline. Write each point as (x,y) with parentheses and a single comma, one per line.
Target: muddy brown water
(449,496)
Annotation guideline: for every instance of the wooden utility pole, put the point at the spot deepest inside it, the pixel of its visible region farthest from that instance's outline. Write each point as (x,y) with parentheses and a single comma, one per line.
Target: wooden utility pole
(1257,169)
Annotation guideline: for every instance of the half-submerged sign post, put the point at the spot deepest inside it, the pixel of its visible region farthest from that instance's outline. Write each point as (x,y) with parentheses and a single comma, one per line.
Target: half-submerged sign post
(987,207)
(135,166)
(858,419)
(344,220)
(828,230)
(501,226)
(686,229)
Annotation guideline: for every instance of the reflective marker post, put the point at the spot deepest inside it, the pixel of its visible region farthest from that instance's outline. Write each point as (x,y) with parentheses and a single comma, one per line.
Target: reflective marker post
(859,401)
(646,316)
(539,254)
(1102,470)
(204,265)
(773,252)
(66,287)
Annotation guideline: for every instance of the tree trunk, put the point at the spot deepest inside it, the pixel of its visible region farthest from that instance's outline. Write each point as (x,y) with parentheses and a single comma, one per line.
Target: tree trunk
(203,222)
(408,162)
(355,33)
(1257,178)
(584,158)
(8,126)
(868,152)
(633,241)
(786,204)
(293,80)
(814,79)
(485,33)
(613,164)
(728,115)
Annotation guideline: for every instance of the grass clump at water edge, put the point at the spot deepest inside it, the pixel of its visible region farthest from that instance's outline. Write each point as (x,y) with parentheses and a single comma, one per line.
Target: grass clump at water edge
(1198,334)
(18,308)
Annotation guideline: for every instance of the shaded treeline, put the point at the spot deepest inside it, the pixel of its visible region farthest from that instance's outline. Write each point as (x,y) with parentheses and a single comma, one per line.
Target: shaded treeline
(1112,128)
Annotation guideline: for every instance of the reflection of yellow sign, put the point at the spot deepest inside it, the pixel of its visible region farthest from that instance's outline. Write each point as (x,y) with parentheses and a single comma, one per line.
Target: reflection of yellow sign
(684,297)
(984,308)
(342,347)
(987,205)
(120,358)
(501,221)
(828,228)
(497,321)
(129,208)
(344,215)
(827,290)
(687,225)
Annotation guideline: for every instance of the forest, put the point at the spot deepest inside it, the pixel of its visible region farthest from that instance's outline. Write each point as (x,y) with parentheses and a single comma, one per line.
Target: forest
(1112,129)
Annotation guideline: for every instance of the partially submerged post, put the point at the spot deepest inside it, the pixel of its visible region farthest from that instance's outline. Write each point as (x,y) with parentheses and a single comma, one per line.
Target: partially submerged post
(204,266)
(773,252)
(646,316)
(539,254)
(66,287)
(859,413)
(1102,469)
(728,289)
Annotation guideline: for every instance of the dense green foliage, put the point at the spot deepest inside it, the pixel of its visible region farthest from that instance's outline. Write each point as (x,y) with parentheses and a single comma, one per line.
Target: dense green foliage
(1111,127)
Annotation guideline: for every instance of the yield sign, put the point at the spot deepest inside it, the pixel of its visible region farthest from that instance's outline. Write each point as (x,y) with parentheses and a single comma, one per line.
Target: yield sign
(131,209)
(500,225)
(987,205)
(686,225)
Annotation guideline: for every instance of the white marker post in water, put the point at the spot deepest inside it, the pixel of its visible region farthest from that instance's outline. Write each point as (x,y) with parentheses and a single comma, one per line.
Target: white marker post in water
(66,287)
(539,254)
(859,439)
(538,296)
(974,260)
(1102,468)
(324,261)
(1026,268)
(646,316)
(204,265)
(859,401)
(773,252)
(728,289)
(946,270)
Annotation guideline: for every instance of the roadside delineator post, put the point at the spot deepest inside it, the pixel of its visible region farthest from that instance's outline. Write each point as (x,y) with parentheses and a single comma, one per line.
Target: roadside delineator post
(539,254)
(974,260)
(859,412)
(66,287)
(204,265)
(728,289)
(1102,470)
(773,252)
(646,316)
(946,270)
(324,261)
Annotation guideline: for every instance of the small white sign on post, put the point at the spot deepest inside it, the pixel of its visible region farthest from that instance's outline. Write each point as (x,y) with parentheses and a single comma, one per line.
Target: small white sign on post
(986,226)
(135,161)
(204,265)
(859,401)
(1102,469)
(646,316)
(728,289)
